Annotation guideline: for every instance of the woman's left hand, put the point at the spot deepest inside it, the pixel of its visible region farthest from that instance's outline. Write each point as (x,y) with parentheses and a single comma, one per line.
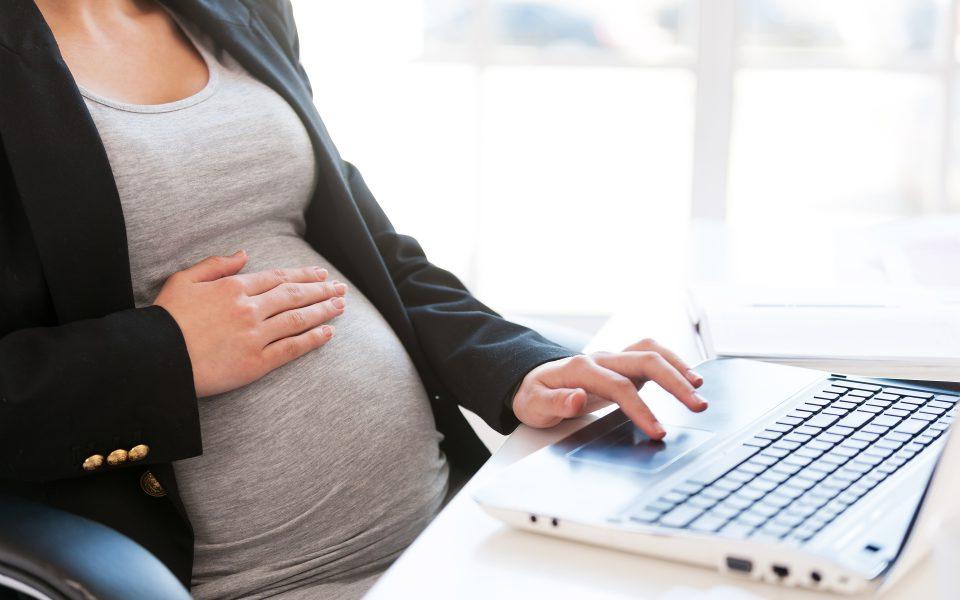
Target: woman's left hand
(574,386)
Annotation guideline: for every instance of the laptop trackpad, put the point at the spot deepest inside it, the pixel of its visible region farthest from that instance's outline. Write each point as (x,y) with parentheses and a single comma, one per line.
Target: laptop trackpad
(628,447)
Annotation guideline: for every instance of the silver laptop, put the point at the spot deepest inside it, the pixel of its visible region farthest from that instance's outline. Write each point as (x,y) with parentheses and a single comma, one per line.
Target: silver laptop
(792,476)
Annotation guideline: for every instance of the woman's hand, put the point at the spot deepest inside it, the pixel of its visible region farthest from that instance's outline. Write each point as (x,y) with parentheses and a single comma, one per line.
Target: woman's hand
(238,328)
(574,386)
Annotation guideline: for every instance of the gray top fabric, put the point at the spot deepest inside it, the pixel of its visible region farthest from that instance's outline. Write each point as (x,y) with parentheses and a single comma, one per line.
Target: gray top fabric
(314,478)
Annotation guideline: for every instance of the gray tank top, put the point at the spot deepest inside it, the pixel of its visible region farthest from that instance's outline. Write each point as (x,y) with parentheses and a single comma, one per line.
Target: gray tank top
(314,478)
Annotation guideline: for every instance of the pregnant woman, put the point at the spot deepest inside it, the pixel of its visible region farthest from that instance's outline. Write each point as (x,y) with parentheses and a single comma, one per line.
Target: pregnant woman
(211,337)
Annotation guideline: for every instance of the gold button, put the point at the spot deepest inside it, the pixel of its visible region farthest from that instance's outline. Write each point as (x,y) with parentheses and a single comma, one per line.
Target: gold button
(117,457)
(93,463)
(138,452)
(150,485)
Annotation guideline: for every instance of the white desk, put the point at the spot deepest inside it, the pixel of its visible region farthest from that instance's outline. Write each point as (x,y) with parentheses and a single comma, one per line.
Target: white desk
(465,553)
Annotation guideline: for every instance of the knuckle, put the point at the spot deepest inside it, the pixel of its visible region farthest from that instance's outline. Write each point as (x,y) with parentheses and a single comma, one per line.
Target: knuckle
(580,361)
(296,318)
(246,311)
(291,349)
(293,290)
(647,343)
(280,275)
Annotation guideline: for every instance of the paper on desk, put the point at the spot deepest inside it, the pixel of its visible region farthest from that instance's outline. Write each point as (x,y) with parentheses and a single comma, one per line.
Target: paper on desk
(896,335)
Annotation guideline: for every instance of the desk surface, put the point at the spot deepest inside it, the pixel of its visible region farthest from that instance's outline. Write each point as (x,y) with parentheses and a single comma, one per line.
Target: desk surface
(465,553)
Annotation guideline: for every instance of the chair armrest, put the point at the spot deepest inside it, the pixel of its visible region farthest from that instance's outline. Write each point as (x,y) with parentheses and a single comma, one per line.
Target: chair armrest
(58,555)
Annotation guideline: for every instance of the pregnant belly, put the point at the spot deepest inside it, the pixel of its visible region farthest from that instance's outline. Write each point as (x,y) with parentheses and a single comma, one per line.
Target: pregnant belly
(332,459)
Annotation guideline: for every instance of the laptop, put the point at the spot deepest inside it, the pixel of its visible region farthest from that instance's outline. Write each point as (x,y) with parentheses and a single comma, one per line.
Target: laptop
(792,476)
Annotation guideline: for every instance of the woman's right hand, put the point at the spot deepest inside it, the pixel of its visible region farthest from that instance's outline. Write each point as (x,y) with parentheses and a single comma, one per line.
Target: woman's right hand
(238,328)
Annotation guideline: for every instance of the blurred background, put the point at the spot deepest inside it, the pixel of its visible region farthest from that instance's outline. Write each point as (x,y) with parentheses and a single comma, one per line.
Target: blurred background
(565,156)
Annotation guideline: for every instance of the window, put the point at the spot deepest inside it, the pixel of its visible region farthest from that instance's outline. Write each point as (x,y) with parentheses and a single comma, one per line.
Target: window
(552,152)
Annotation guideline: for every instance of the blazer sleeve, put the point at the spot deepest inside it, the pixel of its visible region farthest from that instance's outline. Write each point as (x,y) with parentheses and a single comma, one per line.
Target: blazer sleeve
(91,387)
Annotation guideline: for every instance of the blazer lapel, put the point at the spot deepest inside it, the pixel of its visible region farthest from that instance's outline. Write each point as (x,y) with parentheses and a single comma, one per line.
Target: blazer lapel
(61,170)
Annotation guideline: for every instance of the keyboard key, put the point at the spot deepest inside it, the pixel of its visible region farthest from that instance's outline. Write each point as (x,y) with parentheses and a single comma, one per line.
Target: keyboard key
(878,451)
(856,385)
(830,438)
(860,393)
(688,487)
(645,516)
(757,443)
(707,523)
(909,393)
(923,416)
(933,410)
(885,396)
(762,485)
(775,452)
(879,403)
(786,444)
(842,404)
(702,501)
(660,506)
(885,442)
(797,437)
(680,516)
(940,403)
(855,419)
(840,430)
(886,420)
(866,436)
(896,412)
(855,443)
(674,497)
(809,407)
(831,389)
(761,460)
(768,434)
(834,411)
(912,401)
(904,406)
(871,409)
(947,398)
(821,420)
(820,401)
(754,517)
(784,467)
(807,429)
(789,421)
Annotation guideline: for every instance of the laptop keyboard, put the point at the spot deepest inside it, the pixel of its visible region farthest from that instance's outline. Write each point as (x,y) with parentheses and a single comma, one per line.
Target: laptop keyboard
(797,475)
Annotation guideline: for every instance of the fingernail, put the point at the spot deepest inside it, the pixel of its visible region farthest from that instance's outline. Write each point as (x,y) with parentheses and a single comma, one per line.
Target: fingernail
(658,430)
(701,400)
(326,330)
(240,253)
(340,288)
(694,376)
(321,272)
(337,302)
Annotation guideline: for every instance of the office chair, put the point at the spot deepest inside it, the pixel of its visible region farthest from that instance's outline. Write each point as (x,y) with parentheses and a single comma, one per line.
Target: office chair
(49,554)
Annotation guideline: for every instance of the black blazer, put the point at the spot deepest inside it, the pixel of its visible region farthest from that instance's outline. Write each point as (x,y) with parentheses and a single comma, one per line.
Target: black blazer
(83,372)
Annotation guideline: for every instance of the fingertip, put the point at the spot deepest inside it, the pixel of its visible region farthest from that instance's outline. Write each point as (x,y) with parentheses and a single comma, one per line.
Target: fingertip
(694,378)
(575,401)
(321,273)
(657,431)
(700,404)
